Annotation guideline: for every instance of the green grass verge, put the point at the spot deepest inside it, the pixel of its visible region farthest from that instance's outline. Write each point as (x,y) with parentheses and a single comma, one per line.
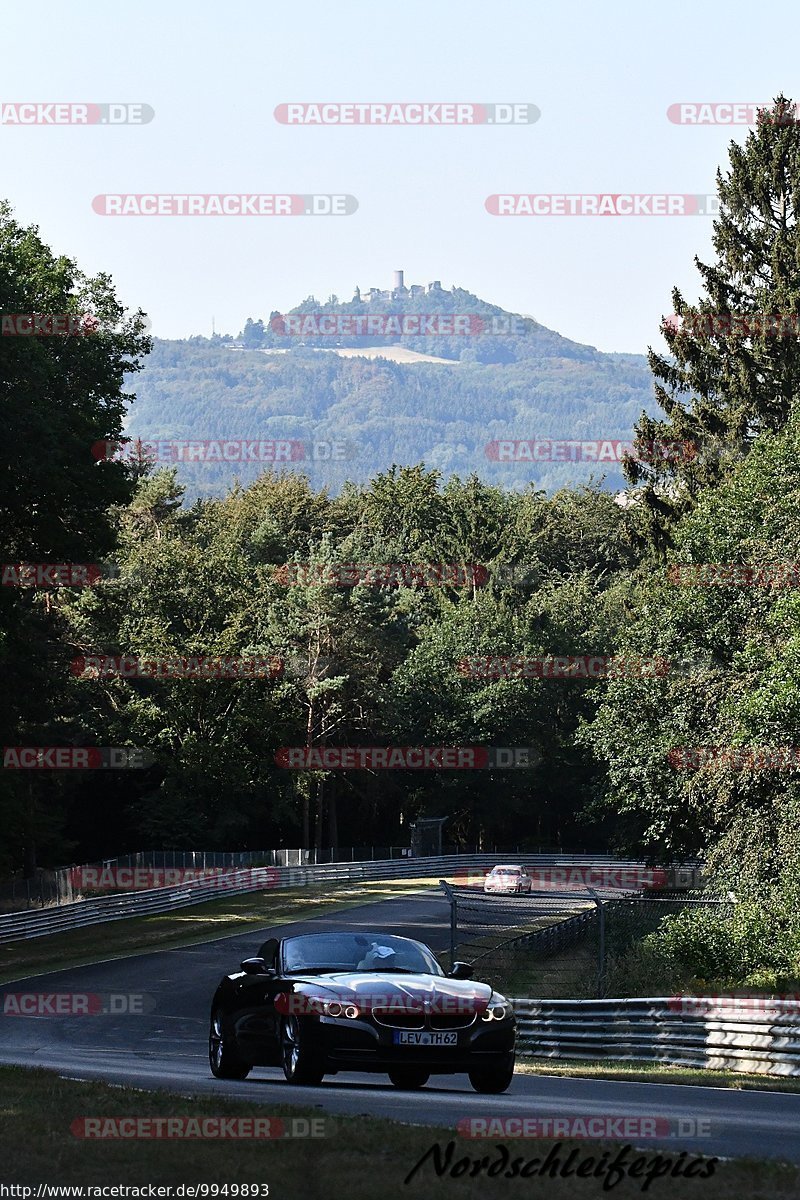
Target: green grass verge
(658,1073)
(361,1158)
(187,926)
(568,974)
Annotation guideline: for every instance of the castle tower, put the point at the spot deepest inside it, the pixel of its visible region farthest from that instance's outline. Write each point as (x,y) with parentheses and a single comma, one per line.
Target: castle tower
(398,281)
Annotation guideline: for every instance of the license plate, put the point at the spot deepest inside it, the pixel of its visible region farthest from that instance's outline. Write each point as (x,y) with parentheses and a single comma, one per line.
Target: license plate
(407,1037)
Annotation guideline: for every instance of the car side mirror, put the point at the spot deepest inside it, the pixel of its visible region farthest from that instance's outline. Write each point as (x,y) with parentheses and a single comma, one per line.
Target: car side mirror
(256,966)
(460,970)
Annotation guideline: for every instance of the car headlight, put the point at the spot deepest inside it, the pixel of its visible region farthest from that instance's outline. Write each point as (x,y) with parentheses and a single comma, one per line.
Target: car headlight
(332,1008)
(496,1012)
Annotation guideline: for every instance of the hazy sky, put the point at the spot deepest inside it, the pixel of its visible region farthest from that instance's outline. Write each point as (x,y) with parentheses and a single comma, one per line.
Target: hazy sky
(603,77)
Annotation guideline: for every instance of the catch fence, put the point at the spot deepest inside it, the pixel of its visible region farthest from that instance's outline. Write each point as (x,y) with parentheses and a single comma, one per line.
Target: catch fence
(580,942)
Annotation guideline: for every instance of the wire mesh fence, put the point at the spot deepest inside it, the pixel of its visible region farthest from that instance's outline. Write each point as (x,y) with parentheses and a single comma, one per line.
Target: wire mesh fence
(573,944)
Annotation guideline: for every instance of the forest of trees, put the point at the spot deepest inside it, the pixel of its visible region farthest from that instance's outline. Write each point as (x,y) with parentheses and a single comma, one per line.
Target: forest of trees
(383,413)
(567,573)
(364,665)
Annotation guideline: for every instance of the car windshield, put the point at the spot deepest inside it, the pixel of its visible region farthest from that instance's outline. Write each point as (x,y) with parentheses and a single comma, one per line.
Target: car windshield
(506,871)
(356,952)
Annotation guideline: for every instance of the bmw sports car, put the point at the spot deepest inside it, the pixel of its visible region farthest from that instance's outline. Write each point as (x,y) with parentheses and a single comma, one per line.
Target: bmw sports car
(322,1003)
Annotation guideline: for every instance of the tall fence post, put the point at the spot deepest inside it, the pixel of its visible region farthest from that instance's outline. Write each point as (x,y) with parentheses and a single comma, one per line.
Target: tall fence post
(601,951)
(451,896)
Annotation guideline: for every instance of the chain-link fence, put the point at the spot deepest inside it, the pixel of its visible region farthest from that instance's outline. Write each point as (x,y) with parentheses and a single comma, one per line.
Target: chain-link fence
(568,945)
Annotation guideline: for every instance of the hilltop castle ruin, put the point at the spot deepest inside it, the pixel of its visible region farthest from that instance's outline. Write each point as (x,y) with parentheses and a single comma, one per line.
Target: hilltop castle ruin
(399,291)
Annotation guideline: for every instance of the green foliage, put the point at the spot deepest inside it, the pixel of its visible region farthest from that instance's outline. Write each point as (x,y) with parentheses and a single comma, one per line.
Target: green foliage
(60,395)
(379,412)
(368,665)
(730,375)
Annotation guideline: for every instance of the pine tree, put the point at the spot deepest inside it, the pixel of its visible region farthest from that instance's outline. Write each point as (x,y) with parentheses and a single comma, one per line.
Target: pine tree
(733,367)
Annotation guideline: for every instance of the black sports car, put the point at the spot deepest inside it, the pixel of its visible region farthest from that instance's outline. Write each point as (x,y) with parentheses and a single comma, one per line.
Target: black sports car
(328,1002)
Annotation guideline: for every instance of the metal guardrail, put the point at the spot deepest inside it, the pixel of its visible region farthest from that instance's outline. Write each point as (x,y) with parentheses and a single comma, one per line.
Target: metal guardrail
(153,901)
(61,885)
(735,1033)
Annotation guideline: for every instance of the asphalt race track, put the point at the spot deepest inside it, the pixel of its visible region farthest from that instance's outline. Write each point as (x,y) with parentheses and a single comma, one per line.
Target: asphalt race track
(165,1047)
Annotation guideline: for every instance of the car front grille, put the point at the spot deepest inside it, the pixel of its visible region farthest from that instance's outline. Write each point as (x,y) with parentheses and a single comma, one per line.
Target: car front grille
(392,1019)
(452,1021)
(399,1020)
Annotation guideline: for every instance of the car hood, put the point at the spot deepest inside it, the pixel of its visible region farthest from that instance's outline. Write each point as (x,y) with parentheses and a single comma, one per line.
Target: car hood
(402,993)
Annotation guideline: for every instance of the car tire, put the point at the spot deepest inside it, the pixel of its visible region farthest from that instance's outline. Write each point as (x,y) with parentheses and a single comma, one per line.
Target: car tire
(299,1058)
(409,1078)
(223,1056)
(492,1080)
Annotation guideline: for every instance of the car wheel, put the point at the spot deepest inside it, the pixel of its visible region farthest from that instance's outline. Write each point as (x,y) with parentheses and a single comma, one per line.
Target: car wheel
(409,1077)
(492,1080)
(222,1054)
(297,1053)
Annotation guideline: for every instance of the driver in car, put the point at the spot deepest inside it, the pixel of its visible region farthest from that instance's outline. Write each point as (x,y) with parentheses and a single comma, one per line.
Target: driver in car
(377,956)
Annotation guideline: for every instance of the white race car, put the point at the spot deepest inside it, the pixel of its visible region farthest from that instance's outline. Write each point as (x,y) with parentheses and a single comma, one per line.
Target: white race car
(508,879)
